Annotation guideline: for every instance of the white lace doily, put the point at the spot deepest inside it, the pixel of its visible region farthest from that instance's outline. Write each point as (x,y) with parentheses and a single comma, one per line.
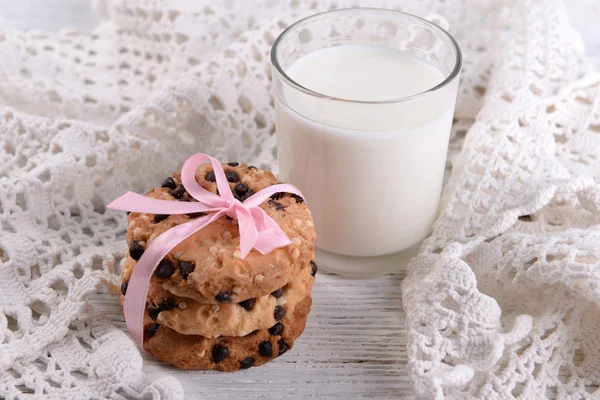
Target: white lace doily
(503,299)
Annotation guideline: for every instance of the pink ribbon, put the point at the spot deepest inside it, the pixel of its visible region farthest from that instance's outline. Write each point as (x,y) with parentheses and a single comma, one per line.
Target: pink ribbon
(257,229)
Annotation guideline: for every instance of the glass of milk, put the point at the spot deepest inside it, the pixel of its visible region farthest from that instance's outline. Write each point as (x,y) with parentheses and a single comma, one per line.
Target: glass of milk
(364,103)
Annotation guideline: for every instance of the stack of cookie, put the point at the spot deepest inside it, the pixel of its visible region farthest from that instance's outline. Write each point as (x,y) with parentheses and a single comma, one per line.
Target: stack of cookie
(206,307)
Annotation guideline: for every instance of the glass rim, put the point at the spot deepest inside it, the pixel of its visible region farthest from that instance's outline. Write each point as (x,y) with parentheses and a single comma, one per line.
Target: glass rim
(448,79)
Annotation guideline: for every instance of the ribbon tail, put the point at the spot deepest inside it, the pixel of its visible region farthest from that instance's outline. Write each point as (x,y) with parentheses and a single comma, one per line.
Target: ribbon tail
(270,234)
(127,201)
(137,289)
(131,201)
(248,231)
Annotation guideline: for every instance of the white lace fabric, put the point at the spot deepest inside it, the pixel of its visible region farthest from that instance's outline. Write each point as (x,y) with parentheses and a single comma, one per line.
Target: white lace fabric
(503,299)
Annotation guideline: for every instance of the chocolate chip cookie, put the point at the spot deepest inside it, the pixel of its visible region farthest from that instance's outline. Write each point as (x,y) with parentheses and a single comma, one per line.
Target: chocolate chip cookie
(190,317)
(226,353)
(207,266)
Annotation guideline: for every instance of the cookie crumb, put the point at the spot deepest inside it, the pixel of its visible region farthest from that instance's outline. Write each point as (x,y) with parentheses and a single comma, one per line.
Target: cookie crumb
(296,253)
(201,354)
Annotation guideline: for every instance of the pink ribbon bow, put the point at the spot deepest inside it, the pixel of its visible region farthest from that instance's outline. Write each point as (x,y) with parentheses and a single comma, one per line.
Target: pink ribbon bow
(257,229)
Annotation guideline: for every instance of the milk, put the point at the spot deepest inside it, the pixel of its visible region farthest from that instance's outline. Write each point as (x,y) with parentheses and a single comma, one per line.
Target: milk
(371,172)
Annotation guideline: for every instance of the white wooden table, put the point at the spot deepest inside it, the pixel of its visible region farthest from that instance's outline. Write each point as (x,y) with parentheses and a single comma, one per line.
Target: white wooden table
(342,354)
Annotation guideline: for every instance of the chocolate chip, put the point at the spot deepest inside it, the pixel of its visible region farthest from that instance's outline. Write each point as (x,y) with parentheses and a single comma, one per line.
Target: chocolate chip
(184,199)
(280,195)
(283,346)
(249,193)
(185,268)
(167,305)
(124,287)
(265,349)
(246,363)
(135,250)
(196,215)
(279,313)
(152,311)
(160,217)
(251,167)
(252,333)
(169,183)
(276,329)
(314,268)
(233,164)
(278,293)
(232,176)
(210,176)
(219,353)
(164,269)
(239,190)
(248,304)
(276,205)
(151,331)
(224,297)
(525,218)
(178,192)
(297,198)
